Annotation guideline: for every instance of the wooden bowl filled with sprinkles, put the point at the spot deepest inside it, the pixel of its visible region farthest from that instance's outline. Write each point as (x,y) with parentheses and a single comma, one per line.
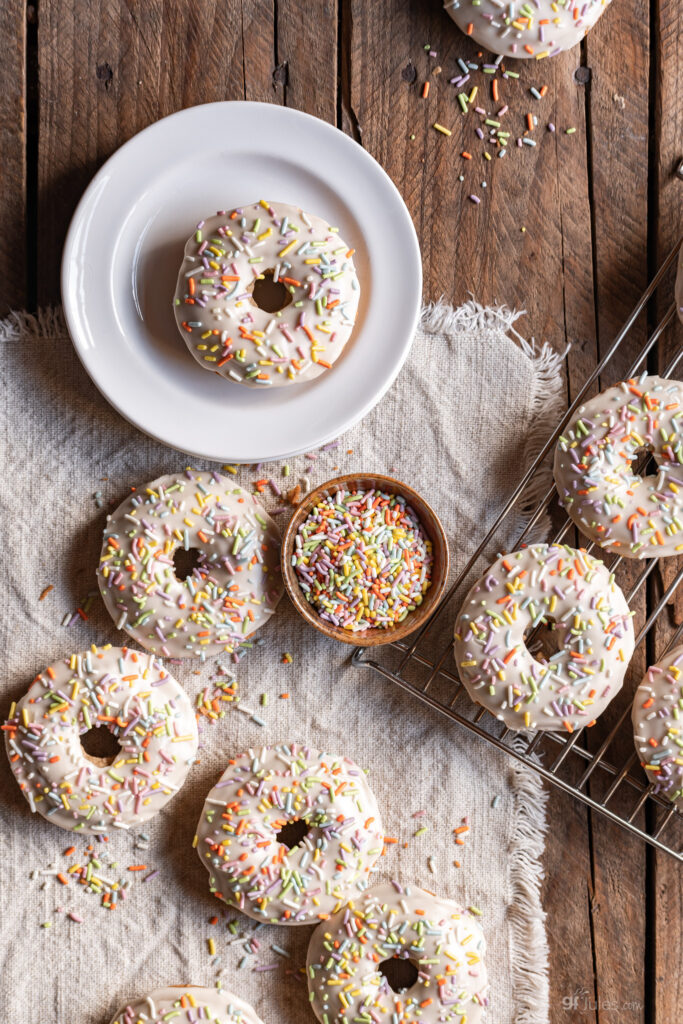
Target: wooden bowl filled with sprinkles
(365,559)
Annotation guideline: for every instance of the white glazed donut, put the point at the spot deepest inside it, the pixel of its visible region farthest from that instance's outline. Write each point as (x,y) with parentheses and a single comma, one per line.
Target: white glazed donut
(221,305)
(233,589)
(187,1005)
(251,861)
(526,28)
(521,591)
(132,695)
(444,945)
(630,515)
(658,725)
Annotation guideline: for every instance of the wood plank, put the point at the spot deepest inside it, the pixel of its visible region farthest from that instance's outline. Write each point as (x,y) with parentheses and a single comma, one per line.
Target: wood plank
(306,64)
(617,53)
(667,894)
(109,69)
(13,283)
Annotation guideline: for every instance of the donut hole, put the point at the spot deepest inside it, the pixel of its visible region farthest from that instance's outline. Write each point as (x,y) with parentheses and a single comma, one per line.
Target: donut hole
(400,972)
(293,833)
(100,745)
(185,562)
(645,455)
(269,295)
(544,640)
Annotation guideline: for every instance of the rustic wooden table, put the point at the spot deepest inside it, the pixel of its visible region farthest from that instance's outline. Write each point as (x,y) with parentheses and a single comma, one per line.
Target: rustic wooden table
(570,230)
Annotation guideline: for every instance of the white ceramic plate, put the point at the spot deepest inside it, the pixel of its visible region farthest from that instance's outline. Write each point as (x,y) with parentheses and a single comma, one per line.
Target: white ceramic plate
(125,245)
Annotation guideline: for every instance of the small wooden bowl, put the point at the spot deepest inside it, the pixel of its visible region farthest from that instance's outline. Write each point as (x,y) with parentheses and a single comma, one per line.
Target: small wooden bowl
(430,524)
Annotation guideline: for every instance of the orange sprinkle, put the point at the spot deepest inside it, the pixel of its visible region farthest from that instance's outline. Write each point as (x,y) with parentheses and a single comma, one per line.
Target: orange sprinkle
(425,90)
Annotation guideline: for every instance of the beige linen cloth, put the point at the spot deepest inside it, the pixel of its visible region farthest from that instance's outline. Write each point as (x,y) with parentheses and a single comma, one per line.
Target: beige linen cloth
(459,424)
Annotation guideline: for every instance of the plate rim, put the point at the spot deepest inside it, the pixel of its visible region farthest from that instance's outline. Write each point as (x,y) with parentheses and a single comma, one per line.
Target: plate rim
(66,273)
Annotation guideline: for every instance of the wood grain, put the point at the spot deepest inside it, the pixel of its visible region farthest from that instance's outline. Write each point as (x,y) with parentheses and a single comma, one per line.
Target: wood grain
(13,283)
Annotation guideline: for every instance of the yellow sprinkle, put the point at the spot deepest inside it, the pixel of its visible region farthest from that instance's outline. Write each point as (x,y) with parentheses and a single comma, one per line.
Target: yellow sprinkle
(440,128)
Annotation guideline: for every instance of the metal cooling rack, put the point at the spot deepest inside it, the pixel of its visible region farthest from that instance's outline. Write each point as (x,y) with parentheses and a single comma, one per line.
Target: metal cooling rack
(607,778)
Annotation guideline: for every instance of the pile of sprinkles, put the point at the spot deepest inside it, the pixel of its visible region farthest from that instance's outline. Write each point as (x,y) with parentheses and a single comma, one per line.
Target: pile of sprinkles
(544,585)
(229,325)
(440,947)
(482,89)
(289,833)
(363,560)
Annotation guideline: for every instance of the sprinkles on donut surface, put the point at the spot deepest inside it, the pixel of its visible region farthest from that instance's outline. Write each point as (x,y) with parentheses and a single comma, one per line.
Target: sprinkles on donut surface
(133,696)
(229,593)
(289,834)
(544,584)
(657,715)
(267,295)
(595,468)
(187,1005)
(398,954)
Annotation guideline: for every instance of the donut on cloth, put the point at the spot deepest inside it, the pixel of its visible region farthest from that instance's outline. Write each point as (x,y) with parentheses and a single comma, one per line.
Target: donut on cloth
(398,953)
(657,715)
(595,472)
(518,28)
(520,592)
(133,696)
(267,295)
(230,592)
(289,834)
(187,1005)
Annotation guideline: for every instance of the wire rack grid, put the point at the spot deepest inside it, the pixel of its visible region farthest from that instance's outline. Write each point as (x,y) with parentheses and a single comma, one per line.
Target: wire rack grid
(604,776)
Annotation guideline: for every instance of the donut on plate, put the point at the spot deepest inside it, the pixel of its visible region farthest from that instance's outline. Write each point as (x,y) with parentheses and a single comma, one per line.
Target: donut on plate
(595,468)
(187,1005)
(517,28)
(657,716)
(133,696)
(231,585)
(539,585)
(267,295)
(289,834)
(398,953)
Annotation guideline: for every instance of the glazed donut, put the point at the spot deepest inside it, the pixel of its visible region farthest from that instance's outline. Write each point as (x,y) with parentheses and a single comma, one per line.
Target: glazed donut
(135,698)
(187,1005)
(515,28)
(267,295)
(232,590)
(633,516)
(349,977)
(289,834)
(658,725)
(520,592)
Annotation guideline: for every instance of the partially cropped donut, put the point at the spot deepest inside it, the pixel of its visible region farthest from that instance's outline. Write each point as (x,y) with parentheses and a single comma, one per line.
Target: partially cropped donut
(289,834)
(187,1005)
(234,586)
(517,28)
(524,590)
(133,696)
(595,468)
(267,295)
(658,725)
(398,953)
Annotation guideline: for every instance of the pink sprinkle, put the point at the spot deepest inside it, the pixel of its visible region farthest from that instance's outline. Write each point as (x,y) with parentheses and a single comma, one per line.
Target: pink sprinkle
(75,917)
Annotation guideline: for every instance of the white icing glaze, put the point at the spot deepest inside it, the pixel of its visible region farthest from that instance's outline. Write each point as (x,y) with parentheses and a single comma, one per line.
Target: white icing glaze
(132,695)
(444,942)
(187,1005)
(630,515)
(658,725)
(526,28)
(231,593)
(259,793)
(521,591)
(247,344)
